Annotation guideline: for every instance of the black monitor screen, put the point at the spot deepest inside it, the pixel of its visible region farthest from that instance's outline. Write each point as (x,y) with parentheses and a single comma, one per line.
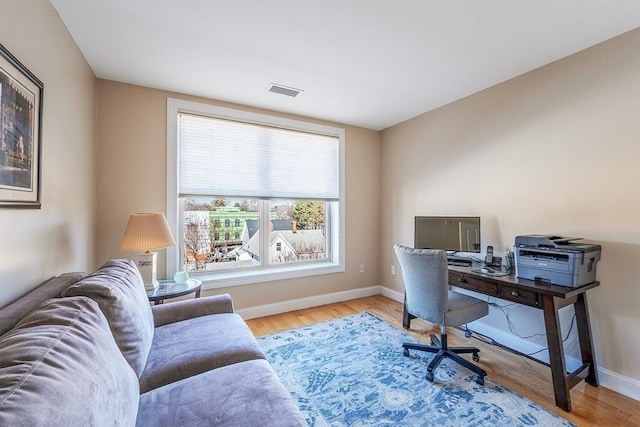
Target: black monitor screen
(451,233)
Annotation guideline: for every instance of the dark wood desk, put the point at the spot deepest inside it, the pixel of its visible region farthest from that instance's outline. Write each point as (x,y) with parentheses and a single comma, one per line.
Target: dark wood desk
(548,298)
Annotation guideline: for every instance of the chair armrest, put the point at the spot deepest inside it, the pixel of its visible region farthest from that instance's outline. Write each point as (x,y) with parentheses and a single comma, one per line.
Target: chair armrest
(164,314)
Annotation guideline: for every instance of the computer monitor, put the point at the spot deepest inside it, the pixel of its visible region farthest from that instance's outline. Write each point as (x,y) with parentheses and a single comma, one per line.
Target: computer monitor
(450,233)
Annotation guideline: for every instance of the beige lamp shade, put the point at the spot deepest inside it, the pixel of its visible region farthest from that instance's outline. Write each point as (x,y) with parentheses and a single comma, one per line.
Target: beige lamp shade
(146,232)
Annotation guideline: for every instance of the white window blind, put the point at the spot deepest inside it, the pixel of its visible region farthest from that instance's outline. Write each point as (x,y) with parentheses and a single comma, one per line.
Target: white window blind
(219,157)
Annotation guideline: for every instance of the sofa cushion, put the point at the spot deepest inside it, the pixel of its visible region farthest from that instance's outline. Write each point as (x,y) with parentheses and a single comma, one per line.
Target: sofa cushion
(118,289)
(193,346)
(60,366)
(243,394)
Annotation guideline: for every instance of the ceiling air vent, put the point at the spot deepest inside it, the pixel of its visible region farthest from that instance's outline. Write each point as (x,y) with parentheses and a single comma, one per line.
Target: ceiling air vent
(283,90)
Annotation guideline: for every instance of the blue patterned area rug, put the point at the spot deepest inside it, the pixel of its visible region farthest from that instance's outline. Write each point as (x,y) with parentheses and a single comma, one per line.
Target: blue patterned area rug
(351,372)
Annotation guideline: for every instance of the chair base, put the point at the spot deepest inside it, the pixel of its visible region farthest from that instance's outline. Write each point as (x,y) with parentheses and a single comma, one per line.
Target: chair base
(439,347)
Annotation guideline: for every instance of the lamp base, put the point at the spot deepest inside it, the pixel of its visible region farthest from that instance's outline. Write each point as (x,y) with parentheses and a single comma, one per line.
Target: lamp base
(147,267)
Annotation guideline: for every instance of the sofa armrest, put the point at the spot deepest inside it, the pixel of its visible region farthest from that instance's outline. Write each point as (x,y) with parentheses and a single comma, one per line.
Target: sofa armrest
(164,314)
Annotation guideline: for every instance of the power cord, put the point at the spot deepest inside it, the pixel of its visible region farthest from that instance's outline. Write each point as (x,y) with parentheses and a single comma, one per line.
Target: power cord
(573,318)
(488,340)
(510,323)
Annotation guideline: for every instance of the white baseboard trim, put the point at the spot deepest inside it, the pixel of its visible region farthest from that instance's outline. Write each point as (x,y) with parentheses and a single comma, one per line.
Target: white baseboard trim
(619,383)
(300,303)
(612,380)
(390,293)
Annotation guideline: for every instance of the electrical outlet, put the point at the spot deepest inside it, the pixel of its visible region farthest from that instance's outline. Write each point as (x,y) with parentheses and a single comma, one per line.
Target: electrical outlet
(393,270)
(361,268)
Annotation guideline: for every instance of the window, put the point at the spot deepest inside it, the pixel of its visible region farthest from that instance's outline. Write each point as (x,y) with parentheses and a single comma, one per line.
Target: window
(283,194)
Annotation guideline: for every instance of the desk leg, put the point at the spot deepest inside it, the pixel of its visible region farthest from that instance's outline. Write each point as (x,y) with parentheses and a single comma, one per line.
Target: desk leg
(584,337)
(556,353)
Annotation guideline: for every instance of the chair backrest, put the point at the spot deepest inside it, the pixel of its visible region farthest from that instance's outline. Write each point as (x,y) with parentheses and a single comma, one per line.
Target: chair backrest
(426,281)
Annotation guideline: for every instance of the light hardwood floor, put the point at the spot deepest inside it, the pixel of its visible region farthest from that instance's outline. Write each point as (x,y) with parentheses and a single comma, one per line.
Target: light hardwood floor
(591,406)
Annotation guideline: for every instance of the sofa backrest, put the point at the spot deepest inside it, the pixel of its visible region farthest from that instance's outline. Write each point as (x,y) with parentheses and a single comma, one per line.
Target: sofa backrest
(52,288)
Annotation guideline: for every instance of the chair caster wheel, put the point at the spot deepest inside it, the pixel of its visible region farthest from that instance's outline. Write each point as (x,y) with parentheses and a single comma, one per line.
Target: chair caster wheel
(480,380)
(406,352)
(467,333)
(430,377)
(475,357)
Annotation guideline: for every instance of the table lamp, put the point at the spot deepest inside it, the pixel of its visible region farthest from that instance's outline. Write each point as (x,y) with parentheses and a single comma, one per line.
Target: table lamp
(147,232)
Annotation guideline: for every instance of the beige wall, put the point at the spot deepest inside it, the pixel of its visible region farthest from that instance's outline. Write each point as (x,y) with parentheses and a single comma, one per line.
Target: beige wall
(556,150)
(132,178)
(38,244)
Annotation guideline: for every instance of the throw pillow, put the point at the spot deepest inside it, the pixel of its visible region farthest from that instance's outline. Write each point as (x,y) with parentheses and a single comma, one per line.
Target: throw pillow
(60,366)
(118,289)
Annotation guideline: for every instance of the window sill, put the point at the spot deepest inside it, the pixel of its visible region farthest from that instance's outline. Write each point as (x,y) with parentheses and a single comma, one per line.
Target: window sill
(244,277)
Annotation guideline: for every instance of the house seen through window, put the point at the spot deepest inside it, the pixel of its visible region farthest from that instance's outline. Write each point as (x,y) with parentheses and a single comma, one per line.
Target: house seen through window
(297,233)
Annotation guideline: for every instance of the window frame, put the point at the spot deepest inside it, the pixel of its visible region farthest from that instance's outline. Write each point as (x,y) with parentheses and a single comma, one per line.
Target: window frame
(266,273)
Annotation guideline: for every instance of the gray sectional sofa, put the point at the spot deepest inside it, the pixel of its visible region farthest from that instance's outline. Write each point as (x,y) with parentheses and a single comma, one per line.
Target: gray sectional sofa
(90,351)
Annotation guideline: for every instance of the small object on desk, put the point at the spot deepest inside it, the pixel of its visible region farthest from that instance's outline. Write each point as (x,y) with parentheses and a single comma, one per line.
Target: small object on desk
(490,271)
(458,260)
(495,262)
(489,258)
(509,261)
(170,289)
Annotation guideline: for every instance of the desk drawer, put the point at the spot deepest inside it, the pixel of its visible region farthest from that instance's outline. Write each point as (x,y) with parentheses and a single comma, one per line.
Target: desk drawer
(522,296)
(473,284)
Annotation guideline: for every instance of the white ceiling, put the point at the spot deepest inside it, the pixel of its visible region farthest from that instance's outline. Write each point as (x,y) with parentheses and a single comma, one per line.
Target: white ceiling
(369,63)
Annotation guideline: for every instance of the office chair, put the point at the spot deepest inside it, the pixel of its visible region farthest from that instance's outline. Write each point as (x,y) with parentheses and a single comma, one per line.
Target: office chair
(427,296)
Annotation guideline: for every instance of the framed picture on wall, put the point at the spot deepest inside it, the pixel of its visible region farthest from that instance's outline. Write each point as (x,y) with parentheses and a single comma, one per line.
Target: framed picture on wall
(20,134)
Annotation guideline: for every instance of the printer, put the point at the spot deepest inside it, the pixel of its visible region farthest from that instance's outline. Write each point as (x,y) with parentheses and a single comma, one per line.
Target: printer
(556,260)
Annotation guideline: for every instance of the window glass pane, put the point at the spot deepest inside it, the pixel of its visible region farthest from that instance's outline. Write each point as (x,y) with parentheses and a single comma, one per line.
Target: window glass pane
(298,231)
(220,234)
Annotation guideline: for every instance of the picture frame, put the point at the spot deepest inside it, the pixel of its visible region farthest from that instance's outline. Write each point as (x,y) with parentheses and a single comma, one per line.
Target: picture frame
(21,95)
